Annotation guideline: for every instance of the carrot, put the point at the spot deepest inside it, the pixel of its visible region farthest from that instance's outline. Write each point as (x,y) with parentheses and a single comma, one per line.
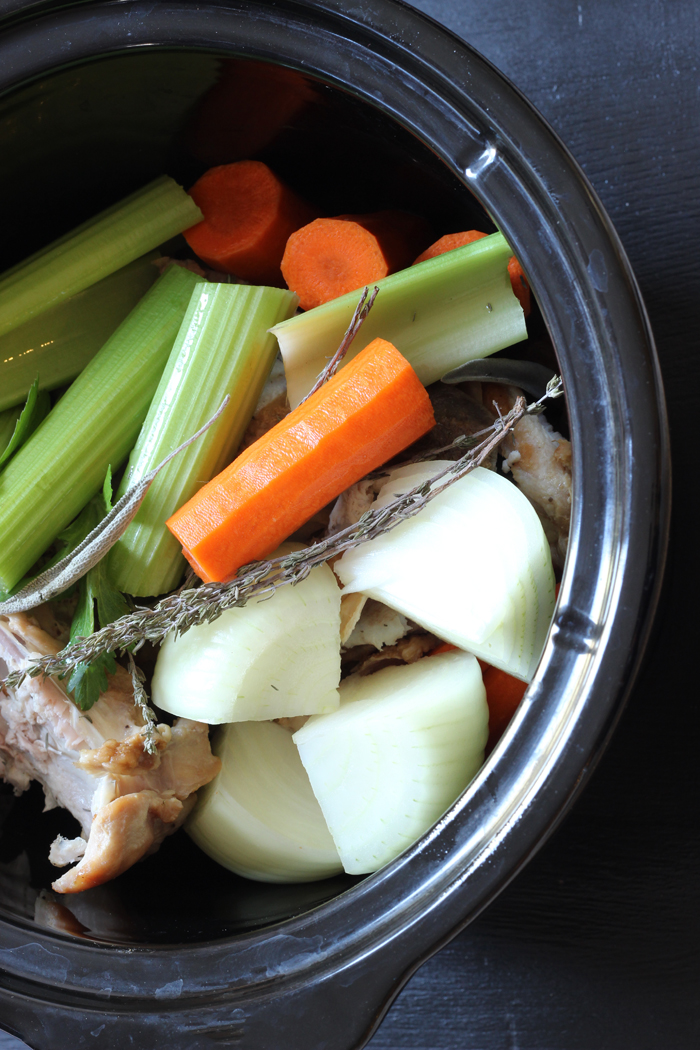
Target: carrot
(520,285)
(248,216)
(371,410)
(330,257)
(247,108)
(446,647)
(503,694)
(457,240)
(448,243)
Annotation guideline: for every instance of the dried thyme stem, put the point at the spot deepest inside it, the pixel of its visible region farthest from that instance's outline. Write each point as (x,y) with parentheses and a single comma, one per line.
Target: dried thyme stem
(185,608)
(362,309)
(141,701)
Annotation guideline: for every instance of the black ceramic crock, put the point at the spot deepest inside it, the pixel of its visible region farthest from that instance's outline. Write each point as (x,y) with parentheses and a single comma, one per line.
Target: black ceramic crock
(95,96)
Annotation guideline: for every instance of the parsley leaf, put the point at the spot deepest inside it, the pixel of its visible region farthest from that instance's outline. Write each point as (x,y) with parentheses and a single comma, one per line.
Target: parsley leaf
(89,680)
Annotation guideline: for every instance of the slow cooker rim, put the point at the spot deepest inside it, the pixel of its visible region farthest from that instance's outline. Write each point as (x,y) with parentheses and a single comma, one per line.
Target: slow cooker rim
(578,639)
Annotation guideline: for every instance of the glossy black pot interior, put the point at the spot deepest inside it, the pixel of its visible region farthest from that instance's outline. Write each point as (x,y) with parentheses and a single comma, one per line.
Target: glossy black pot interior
(386,110)
(101,141)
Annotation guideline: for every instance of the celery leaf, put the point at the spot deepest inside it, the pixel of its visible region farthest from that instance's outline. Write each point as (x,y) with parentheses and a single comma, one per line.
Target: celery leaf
(36,407)
(95,589)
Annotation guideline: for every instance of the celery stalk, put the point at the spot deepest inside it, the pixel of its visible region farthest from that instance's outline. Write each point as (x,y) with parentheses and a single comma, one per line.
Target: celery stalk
(58,343)
(94,424)
(100,246)
(439,314)
(223,347)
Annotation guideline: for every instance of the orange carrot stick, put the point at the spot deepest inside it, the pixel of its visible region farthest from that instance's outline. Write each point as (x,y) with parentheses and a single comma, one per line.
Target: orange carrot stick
(330,257)
(503,694)
(457,240)
(371,410)
(249,215)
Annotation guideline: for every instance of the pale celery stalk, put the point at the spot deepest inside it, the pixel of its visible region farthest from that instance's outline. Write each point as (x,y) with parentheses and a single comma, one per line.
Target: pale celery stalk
(94,424)
(58,343)
(100,246)
(439,314)
(223,347)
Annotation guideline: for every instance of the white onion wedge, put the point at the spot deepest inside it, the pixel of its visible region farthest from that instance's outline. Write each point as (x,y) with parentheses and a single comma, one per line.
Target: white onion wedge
(269,659)
(473,566)
(403,745)
(259,816)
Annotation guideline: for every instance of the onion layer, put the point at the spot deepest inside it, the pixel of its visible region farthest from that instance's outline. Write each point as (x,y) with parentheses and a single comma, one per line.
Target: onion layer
(402,746)
(269,659)
(473,566)
(259,816)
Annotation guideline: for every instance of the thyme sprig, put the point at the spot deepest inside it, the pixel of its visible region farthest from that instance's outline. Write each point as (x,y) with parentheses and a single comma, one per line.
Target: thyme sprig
(141,700)
(364,305)
(183,609)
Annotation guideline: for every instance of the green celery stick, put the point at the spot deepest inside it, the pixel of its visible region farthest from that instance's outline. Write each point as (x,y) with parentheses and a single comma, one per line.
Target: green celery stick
(58,343)
(94,424)
(439,314)
(100,246)
(223,347)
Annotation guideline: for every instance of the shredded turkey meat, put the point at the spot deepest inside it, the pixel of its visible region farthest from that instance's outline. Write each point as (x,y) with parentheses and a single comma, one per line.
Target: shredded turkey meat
(364,659)
(94,763)
(457,413)
(540,461)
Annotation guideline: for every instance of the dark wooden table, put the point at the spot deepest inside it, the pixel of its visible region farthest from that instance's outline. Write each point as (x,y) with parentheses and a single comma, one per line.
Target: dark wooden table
(596,946)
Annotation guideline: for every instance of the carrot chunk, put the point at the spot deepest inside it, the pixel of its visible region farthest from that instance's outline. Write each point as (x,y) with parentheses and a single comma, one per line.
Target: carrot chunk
(448,243)
(248,107)
(446,647)
(520,285)
(249,215)
(503,694)
(330,257)
(371,410)
(457,240)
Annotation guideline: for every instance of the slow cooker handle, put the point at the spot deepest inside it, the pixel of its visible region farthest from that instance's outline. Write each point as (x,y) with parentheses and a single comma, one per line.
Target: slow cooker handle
(333,1013)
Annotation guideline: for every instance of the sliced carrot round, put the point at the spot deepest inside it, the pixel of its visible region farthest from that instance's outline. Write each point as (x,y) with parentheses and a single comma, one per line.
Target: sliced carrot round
(448,243)
(249,215)
(331,257)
